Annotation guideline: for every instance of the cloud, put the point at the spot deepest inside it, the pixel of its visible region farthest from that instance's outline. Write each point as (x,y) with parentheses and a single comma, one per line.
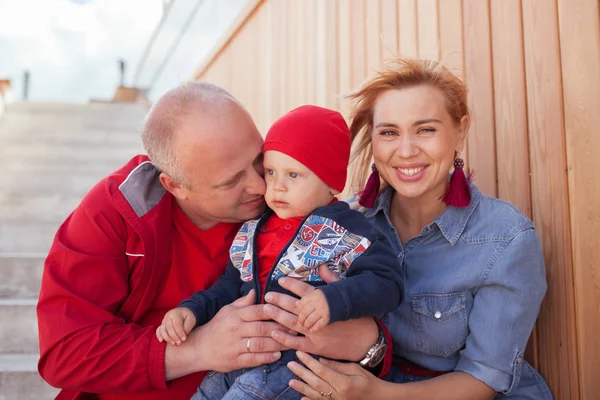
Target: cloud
(71,49)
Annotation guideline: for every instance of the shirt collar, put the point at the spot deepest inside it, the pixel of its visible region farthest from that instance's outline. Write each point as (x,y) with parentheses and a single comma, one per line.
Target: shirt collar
(273,222)
(451,222)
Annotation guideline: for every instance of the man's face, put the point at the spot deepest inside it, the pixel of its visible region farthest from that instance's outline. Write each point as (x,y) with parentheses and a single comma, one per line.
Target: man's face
(221,158)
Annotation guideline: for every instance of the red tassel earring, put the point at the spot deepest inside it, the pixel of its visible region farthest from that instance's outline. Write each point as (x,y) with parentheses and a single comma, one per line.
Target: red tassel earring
(458,193)
(369,194)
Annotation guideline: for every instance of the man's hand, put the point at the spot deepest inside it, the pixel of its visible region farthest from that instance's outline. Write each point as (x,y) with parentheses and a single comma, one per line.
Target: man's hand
(313,311)
(239,336)
(332,341)
(176,324)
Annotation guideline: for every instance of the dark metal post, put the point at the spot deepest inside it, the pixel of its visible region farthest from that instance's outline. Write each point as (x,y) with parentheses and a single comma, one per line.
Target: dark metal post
(122,71)
(26,76)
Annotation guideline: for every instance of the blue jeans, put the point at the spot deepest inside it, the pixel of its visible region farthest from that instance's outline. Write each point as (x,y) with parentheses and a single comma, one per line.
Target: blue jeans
(265,382)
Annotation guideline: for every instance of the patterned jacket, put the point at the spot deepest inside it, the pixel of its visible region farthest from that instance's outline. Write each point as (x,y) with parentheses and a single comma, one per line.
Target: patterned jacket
(335,235)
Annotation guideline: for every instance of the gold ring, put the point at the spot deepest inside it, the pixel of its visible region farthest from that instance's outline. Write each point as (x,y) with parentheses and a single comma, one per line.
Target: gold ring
(327,395)
(248,345)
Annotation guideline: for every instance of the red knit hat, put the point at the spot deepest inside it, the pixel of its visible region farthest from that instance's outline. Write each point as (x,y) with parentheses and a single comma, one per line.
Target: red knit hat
(318,138)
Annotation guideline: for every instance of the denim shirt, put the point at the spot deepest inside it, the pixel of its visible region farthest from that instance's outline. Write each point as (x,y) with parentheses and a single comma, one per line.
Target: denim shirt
(474,281)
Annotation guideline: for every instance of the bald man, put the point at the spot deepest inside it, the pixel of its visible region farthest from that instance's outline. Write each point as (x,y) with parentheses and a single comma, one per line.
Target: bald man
(150,235)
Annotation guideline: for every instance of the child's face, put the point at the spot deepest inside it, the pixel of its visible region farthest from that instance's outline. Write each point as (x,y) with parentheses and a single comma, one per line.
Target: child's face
(292,189)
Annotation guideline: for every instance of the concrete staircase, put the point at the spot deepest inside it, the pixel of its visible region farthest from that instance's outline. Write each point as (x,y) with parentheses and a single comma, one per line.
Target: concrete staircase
(50,156)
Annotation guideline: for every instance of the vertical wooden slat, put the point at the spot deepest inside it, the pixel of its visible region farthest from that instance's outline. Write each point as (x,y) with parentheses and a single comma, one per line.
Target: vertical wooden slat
(265,62)
(331,49)
(294,43)
(278,13)
(579,22)
(478,74)
(253,88)
(451,45)
(238,85)
(372,32)
(550,203)
(408,29)
(428,30)
(451,38)
(358,41)
(389,29)
(299,34)
(309,54)
(345,55)
(510,102)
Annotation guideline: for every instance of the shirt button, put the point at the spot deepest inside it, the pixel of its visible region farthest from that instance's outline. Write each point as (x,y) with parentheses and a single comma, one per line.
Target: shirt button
(288,226)
(437,315)
(519,360)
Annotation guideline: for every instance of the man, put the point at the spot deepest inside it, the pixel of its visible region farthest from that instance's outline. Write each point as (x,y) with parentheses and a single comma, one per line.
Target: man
(148,236)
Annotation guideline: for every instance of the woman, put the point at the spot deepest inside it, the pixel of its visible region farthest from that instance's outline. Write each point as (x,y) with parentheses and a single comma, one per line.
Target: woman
(472,264)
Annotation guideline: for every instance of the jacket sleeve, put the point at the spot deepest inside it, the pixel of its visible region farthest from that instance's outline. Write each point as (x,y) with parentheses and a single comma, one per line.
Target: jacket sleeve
(373,285)
(84,345)
(206,303)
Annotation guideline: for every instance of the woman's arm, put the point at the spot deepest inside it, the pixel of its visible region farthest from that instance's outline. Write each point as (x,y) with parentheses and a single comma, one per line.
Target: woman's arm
(349,381)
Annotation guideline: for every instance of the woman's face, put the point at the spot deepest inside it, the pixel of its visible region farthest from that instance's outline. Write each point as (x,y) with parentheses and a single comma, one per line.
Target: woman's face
(414,140)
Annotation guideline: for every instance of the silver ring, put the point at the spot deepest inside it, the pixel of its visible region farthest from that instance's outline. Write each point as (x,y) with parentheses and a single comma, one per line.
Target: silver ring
(327,395)
(248,345)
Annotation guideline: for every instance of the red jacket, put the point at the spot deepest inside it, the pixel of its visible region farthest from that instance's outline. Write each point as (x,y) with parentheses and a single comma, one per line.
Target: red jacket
(96,285)
(108,260)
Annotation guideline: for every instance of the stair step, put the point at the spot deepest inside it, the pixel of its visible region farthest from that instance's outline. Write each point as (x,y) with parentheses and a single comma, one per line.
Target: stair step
(55,153)
(18,332)
(28,236)
(20,275)
(19,379)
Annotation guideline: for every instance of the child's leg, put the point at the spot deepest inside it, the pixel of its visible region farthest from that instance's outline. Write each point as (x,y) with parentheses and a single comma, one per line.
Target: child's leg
(265,382)
(215,385)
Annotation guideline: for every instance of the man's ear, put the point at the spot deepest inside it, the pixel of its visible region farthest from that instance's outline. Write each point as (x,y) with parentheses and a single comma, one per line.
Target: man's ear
(175,188)
(333,192)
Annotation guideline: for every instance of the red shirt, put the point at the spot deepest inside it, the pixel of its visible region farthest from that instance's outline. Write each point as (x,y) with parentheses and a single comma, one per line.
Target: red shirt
(193,250)
(273,237)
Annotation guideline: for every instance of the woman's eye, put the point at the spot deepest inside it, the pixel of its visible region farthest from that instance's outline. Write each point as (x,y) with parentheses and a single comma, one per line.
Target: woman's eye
(270,172)
(293,175)
(387,133)
(426,130)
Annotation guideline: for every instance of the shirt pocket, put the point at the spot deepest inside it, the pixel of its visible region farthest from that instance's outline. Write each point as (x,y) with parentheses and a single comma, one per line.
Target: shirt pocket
(440,322)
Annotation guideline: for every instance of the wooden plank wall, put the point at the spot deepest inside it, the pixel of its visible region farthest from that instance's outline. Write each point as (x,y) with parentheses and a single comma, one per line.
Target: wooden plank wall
(533,69)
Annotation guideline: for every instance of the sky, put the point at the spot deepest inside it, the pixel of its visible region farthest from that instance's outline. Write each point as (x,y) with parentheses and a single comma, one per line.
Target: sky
(71,47)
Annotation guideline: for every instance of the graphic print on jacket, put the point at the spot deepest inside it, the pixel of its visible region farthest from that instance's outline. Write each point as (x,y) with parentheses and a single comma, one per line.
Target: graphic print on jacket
(240,251)
(319,240)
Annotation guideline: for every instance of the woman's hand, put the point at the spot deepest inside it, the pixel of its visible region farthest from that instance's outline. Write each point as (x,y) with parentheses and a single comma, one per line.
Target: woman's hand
(333,340)
(326,379)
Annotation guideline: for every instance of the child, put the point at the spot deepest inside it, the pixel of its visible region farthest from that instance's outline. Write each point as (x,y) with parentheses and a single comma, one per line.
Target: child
(306,155)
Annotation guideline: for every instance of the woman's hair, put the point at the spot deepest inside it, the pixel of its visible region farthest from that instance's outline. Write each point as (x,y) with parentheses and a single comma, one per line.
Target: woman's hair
(397,74)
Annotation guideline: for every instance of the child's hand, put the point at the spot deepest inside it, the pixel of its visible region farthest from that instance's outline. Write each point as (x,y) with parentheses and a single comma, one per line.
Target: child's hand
(176,324)
(314,311)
